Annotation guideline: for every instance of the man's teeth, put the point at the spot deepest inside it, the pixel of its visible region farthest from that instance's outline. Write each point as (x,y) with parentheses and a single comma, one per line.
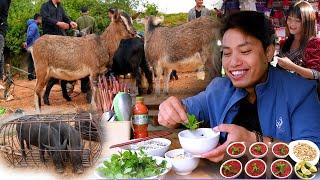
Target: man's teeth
(237,73)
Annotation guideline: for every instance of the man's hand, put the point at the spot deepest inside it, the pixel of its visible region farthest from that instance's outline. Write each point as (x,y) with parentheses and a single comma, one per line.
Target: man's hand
(73,25)
(235,133)
(172,113)
(63,25)
(286,63)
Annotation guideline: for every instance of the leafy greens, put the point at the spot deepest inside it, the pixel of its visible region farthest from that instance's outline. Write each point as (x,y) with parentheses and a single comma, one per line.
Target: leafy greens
(193,123)
(130,164)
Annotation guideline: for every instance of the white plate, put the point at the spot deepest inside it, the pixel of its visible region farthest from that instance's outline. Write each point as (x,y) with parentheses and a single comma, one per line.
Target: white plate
(310,143)
(160,151)
(158,160)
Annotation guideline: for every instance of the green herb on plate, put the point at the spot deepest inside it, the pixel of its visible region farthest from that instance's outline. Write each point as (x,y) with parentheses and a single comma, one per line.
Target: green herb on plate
(130,164)
(2,111)
(280,168)
(255,168)
(235,150)
(258,148)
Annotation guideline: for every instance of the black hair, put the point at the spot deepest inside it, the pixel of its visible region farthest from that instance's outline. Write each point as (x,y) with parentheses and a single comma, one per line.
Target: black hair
(112,10)
(84,9)
(305,12)
(36,16)
(251,23)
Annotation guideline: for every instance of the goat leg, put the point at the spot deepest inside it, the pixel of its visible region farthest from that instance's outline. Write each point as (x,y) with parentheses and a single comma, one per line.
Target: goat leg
(166,80)
(49,86)
(64,90)
(138,80)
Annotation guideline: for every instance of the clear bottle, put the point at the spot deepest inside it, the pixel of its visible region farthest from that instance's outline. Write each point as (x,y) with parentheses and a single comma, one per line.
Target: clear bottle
(140,119)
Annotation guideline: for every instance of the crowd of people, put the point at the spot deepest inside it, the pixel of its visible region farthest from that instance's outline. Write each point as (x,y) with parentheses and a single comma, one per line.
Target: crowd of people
(254,101)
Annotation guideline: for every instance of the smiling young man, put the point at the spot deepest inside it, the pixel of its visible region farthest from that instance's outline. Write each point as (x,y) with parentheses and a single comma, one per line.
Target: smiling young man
(198,11)
(255,102)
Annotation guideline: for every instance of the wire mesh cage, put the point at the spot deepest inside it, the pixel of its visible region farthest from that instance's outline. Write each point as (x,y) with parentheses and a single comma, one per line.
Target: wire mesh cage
(59,140)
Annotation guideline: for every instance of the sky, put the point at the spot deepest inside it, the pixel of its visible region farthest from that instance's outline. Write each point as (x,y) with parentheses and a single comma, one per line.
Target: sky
(176,6)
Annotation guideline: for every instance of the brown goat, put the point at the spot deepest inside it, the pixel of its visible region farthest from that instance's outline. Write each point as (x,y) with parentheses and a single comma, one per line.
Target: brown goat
(187,47)
(71,58)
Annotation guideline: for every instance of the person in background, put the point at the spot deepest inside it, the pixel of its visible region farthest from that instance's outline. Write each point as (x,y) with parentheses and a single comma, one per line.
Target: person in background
(86,21)
(198,11)
(32,35)
(54,19)
(255,101)
(301,51)
(55,22)
(88,24)
(4,10)
(230,6)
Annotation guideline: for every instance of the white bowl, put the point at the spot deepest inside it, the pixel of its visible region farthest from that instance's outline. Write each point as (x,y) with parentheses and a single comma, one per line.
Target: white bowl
(199,141)
(182,166)
(238,155)
(98,175)
(258,156)
(296,159)
(236,175)
(279,177)
(157,151)
(279,156)
(265,169)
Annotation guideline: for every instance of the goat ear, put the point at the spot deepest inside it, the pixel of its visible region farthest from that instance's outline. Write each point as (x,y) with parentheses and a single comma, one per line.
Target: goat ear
(135,16)
(48,147)
(116,15)
(157,20)
(142,20)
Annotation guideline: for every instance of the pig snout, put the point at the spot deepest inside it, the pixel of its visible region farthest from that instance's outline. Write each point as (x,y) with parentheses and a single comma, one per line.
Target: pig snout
(60,169)
(79,169)
(76,159)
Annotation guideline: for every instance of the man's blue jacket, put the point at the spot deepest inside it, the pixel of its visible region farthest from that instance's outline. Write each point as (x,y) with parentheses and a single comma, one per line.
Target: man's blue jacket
(288,105)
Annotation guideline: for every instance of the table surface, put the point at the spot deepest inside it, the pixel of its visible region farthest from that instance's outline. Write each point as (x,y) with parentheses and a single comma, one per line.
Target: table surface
(207,169)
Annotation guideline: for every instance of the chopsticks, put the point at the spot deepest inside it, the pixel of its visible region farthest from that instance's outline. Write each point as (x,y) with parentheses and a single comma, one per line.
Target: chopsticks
(107,89)
(155,135)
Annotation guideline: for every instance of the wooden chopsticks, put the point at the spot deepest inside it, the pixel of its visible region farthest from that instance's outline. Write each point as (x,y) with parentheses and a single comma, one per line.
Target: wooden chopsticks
(154,135)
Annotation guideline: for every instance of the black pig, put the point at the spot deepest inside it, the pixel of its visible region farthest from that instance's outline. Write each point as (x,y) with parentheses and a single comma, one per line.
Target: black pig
(44,137)
(74,144)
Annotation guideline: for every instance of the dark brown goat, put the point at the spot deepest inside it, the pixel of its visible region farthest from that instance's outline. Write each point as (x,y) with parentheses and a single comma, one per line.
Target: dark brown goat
(188,47)
(70,58)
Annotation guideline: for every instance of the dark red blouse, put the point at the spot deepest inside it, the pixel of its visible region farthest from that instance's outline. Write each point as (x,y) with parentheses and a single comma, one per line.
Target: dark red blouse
(311,55)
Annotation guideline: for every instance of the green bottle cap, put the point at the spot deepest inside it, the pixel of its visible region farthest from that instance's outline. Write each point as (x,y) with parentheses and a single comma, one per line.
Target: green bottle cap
(139,99)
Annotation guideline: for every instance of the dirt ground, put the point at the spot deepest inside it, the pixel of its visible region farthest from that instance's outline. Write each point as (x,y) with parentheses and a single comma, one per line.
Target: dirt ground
(186,85)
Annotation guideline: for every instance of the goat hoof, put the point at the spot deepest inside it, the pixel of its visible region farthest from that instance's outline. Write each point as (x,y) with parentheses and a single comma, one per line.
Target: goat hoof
(60,170)
(79,171)
(46,102)
(68,98)
(149,91)
(88,99)
(140,91)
